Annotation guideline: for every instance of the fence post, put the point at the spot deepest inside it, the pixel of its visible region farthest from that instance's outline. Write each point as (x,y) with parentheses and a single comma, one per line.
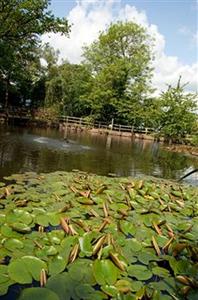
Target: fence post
(112,122)
(146,130)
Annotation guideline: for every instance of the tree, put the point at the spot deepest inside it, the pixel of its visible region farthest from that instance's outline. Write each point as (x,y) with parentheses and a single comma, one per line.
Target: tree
(120,64)
(66,89)
(22,22)
(177,112)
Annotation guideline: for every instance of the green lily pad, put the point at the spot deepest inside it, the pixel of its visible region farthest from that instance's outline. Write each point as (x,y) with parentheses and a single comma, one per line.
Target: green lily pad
(142,217)
(18,272)
(110,290)
(38,293)
(145,257)
(42,219)
(105,272)
(85,243)
(19,215)
(139,272)
(4,286)
(84,291)
(20,227)
(13,244)
(8,232)
(57,265)
(2,219)
(61,285)
(82,270)
(162,272)
(3,274)
(25,269)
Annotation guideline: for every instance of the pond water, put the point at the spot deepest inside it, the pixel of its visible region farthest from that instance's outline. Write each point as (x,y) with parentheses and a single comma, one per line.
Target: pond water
(45,150)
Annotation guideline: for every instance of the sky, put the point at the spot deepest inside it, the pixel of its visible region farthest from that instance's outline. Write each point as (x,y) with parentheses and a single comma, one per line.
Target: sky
(173,24)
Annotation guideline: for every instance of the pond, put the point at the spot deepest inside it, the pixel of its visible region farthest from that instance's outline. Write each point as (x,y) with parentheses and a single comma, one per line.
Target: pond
(45,150)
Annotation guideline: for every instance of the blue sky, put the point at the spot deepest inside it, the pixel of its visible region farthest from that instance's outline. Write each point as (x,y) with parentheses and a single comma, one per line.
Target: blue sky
(173,24)
(176,20)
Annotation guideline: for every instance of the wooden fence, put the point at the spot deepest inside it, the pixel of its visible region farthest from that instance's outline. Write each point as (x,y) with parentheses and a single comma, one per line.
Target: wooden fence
(80,122)
(27,114)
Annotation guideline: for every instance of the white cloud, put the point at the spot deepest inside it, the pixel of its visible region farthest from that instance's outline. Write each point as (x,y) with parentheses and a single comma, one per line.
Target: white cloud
(88,18)
(192,35)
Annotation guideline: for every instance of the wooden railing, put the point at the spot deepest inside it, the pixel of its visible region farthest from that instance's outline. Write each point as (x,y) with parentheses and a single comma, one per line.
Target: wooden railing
(80,122)
(16,112)
(25,113)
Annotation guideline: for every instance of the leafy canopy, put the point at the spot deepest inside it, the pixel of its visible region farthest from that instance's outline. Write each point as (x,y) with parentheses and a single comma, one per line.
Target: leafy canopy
(25,20)
(22,22)
(178,108)
(120,64)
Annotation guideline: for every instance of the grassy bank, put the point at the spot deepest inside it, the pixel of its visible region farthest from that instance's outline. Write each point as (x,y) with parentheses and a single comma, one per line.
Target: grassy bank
(81,236)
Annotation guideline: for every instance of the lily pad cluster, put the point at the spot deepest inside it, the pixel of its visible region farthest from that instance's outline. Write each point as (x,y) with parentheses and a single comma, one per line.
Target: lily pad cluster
(80,236)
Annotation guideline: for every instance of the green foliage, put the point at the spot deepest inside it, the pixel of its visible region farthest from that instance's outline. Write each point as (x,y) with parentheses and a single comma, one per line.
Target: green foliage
(47,113)
(130,238)
(177,112)
(65,85)
(38,293)
(120,64)
(25,19)
(114,80)
(21,24)
(194,140)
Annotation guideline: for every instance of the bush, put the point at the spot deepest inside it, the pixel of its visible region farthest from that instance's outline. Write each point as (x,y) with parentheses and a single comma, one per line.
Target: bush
(47,114)
(194,140)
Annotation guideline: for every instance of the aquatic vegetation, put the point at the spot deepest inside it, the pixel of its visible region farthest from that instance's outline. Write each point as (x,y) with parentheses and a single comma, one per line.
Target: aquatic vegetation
(81,236)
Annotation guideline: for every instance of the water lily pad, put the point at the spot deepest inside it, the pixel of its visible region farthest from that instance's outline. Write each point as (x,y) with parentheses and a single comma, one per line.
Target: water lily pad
(82,270)
(50,250)
(25,269)
(110,290)
(38,293)
(84,291)
(61,285)
(3,274)
(4,286)
(139,272)
(85,243)
(2,219)
(145,257)
(127,228)
(42,219)
(127,264)
(54,218)
(18,272)
(19,215)
(123,285)
(105,272)
(20,227)
(57,265)
(161,272)
(13,244)
(8,232)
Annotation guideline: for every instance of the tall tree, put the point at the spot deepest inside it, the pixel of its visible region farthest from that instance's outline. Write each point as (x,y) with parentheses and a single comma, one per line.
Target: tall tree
(120,64)
(66,89)
(177,112)
(22,22)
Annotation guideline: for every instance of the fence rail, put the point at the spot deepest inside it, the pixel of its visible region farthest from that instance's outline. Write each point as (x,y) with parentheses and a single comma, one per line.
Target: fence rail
(25,113)
(102,125)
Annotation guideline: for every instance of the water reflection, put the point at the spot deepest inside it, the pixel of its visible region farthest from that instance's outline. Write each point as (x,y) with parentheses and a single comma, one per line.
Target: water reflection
(46,150)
